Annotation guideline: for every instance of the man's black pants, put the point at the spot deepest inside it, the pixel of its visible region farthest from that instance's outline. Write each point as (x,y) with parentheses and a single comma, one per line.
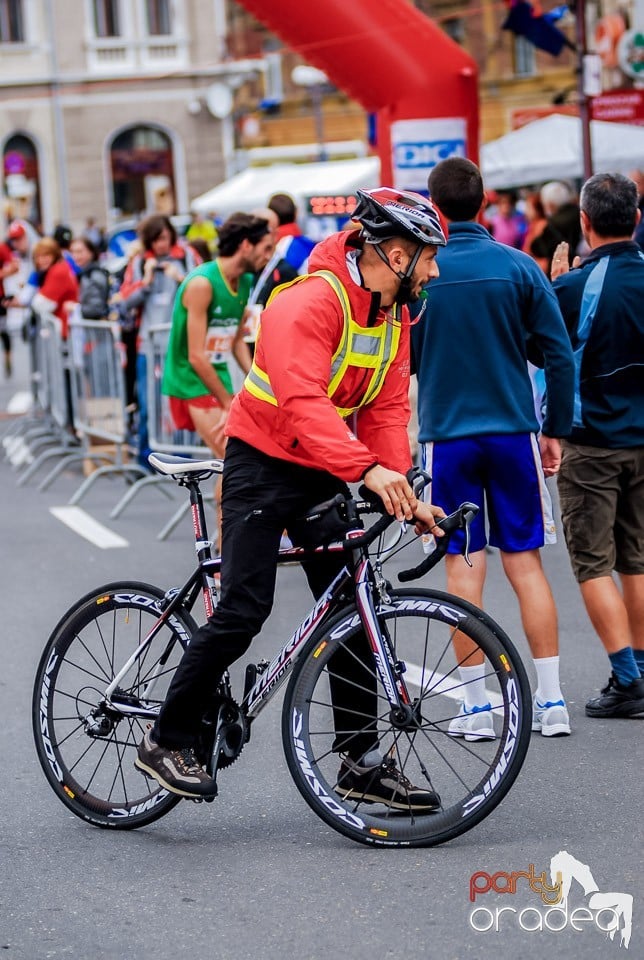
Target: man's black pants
(261,497)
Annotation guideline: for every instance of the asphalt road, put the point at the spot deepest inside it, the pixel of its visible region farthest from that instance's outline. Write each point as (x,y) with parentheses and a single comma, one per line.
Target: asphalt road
(255,874)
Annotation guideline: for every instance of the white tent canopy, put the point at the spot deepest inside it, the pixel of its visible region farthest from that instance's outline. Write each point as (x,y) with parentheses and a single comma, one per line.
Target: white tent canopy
(551,149)
(253,187)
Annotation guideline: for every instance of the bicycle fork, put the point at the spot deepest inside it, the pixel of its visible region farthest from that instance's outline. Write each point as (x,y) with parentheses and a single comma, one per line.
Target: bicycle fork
(389,670)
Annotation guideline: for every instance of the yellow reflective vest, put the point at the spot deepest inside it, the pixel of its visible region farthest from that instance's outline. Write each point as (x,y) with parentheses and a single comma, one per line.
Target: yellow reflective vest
(370,348)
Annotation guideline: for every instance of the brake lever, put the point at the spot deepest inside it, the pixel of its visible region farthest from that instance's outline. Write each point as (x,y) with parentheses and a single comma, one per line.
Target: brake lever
(466,548)
(468,515)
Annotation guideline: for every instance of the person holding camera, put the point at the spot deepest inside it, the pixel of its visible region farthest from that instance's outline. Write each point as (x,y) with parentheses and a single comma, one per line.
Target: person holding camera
(151,281)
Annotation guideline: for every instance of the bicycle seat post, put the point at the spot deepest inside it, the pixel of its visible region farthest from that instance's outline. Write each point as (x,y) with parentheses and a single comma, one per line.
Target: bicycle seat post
(202,543)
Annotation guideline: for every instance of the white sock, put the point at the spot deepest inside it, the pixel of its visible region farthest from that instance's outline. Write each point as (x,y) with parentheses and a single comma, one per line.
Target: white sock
(473,689)
(548,689)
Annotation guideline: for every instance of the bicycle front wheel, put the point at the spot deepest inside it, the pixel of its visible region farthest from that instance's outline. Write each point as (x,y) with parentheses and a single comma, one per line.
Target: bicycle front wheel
(85,743)
(433,636)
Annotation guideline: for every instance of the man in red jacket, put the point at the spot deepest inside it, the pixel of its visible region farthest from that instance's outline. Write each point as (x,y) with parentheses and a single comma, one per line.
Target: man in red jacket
(332,344)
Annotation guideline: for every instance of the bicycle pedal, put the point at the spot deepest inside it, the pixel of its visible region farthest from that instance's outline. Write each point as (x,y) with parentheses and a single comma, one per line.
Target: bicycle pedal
(200,799)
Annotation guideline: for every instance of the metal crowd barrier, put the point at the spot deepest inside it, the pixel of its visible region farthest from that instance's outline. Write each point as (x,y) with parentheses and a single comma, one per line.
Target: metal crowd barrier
(163,435)
(36,422)
(35,418)
(96,361)
(50,386)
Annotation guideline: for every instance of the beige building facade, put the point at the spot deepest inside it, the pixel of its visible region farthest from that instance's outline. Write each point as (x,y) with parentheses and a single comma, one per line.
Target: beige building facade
(103,107)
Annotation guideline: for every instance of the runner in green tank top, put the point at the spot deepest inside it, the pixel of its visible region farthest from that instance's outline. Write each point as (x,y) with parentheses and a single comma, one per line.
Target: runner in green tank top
(207,332)
(225,311)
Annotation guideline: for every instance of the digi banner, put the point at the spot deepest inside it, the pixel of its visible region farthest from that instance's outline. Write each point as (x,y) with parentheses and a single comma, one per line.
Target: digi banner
(418,145)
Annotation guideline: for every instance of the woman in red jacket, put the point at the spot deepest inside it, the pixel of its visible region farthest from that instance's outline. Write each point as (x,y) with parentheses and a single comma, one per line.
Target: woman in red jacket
(57,286)
(56,283)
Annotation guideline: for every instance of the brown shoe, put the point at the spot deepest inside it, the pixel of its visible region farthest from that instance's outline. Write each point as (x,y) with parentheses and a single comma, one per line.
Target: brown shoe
(384,783)
(178,771)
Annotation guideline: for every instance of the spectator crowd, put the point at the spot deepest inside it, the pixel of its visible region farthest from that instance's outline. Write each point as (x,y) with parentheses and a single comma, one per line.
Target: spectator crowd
(539,297)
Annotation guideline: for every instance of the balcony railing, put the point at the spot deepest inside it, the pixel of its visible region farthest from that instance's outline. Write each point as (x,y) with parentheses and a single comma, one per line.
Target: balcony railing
(120,55)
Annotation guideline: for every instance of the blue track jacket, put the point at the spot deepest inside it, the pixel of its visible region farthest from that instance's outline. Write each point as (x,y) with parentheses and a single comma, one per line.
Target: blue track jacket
(470,348)
(603,306)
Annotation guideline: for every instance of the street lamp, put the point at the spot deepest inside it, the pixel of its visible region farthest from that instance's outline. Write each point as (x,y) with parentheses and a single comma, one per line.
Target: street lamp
(583,89)
(313,79)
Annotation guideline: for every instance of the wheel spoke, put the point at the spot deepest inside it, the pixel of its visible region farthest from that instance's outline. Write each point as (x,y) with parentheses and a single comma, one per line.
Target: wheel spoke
(59,743)
(357,686)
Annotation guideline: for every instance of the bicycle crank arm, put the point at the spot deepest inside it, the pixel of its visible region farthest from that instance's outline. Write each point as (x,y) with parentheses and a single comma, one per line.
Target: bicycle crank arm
(231,733)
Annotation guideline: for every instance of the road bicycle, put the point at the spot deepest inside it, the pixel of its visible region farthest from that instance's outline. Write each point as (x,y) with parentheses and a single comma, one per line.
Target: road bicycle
(106,667)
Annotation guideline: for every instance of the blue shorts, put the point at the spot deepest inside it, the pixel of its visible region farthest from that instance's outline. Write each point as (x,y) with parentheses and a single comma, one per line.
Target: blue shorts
(502,474)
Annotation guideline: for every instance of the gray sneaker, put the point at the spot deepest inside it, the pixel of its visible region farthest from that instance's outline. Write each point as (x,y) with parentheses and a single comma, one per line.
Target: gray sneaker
(178,771)
(551,718)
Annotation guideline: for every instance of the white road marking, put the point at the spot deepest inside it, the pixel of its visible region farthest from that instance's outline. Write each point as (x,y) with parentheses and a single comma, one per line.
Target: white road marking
(18,453)
(21,402)
(87,527)
(447,686)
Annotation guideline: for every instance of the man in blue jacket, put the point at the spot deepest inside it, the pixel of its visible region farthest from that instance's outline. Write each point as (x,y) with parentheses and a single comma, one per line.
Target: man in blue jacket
(478,428)
(601,484)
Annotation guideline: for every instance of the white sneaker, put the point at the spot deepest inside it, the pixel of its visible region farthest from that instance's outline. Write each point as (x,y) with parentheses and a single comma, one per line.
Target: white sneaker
(551,718)
(474,724)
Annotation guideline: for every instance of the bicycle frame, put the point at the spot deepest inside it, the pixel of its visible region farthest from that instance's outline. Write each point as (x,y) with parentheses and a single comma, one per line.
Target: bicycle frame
(272,679)
(332,600)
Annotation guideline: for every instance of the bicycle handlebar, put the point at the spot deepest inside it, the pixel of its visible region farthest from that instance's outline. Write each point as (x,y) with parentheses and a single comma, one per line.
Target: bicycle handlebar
(459,520)
(371,503)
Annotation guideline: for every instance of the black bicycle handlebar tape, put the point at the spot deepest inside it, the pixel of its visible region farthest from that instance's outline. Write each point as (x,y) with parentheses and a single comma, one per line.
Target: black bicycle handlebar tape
(455,521)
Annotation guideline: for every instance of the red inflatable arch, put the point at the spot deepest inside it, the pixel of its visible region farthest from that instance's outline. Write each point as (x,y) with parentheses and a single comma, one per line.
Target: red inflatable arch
(393,60)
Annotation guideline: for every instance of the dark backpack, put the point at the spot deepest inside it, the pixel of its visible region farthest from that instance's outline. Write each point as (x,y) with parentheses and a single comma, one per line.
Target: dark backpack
(94,293)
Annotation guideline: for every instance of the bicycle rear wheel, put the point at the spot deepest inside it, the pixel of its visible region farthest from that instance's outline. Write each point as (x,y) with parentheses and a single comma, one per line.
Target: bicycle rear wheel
(470,775)
(86,746)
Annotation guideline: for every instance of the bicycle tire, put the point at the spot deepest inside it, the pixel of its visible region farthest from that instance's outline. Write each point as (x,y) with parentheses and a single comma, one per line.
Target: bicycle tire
(94,775)
(426,752)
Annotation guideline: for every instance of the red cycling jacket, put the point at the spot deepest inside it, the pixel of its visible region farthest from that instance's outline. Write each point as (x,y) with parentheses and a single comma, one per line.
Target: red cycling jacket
(300,333)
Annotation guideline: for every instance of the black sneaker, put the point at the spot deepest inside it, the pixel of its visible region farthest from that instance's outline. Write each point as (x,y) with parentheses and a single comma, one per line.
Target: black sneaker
(618,700)
(178,771)
(384,784)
